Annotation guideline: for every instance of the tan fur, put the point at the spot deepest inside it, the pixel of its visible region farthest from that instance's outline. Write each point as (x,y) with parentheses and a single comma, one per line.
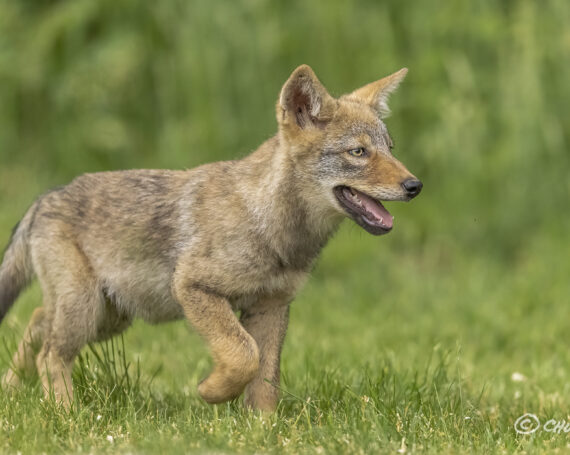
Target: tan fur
(200,244)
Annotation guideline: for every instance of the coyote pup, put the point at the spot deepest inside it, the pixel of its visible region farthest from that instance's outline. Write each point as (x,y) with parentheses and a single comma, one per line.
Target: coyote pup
(204,243)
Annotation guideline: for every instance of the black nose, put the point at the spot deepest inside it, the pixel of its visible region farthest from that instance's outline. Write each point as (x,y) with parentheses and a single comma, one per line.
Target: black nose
(412,187)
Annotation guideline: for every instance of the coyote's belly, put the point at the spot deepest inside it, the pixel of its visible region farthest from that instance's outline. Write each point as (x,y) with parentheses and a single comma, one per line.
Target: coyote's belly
(141,289)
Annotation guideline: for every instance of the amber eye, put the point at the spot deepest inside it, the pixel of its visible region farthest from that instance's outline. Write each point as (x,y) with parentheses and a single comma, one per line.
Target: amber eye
(359,152)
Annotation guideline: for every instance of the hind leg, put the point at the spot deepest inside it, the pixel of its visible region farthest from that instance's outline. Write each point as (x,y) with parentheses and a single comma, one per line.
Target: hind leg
(24,360)
(76,306)
(55,373)
(74,326)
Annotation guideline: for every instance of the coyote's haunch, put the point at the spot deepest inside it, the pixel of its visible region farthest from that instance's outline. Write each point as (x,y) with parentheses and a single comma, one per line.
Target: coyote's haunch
(203,243)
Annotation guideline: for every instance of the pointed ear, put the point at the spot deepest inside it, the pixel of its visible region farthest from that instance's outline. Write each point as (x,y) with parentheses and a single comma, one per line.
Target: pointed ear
(376,94)
(304,101)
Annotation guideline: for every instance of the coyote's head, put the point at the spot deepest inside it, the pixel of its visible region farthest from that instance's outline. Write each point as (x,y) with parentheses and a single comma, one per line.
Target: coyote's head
(342,147)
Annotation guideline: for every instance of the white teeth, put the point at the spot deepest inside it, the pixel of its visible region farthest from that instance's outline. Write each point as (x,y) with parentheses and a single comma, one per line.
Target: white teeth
(355,198)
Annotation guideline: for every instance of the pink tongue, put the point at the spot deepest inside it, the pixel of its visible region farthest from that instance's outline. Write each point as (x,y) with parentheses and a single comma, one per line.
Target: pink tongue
(376,209)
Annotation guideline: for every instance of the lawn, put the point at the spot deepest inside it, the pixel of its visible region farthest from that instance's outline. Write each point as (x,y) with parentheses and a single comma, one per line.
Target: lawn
(433,339)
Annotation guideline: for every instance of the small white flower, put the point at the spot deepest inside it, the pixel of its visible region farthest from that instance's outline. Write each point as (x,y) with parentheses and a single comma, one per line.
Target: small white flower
(110,438)
(99,417)
(518,377)
(403,448)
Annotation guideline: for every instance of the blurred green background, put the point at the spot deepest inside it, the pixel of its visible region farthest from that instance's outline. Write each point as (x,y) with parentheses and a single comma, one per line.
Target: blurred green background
(482,118)
(478,263)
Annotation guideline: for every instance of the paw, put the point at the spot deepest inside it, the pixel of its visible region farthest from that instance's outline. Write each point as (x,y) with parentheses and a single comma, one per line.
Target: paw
(261,396)
(227,382)
(221,385)
(217,389)
(10,380)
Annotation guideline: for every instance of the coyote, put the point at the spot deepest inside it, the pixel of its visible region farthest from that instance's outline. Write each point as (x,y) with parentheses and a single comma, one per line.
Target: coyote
(206,243)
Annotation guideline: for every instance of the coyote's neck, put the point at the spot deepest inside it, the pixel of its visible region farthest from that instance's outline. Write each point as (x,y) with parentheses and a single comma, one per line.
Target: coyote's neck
(287,208)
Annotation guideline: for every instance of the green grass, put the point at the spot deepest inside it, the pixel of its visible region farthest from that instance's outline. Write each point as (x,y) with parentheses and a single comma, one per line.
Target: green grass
(406,342)
(378,352)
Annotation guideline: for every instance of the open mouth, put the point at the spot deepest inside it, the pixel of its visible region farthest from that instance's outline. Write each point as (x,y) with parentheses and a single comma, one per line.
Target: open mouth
(365,210)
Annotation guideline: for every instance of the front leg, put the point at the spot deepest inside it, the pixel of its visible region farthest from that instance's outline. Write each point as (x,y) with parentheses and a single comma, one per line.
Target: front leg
(267,323)
(235,352)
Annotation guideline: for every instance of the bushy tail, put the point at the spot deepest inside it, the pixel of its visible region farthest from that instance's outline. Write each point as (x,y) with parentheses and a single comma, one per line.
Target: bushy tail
(16,270)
